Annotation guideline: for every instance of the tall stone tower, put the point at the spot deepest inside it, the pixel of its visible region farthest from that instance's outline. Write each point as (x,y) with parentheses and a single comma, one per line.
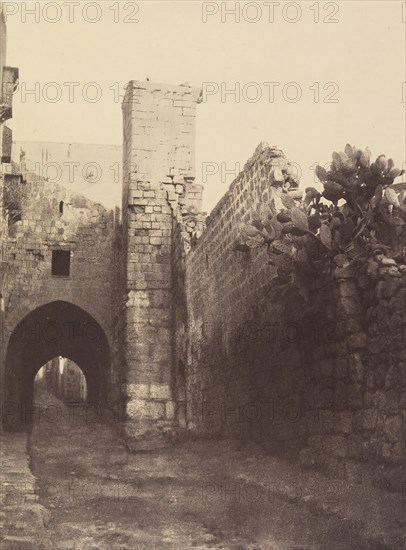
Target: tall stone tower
(159,136)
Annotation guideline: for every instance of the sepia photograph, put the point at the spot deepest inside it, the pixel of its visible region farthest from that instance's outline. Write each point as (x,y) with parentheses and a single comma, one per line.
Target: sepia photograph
(203,275)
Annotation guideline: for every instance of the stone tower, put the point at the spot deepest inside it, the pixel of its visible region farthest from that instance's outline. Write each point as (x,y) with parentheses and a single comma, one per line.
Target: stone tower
(158,167)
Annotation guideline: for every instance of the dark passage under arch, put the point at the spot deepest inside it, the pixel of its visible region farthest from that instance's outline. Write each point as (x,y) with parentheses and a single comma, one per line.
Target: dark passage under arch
(55,329)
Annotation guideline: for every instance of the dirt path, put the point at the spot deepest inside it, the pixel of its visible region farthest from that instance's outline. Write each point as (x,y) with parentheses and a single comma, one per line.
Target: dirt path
(197,495)
(22,518)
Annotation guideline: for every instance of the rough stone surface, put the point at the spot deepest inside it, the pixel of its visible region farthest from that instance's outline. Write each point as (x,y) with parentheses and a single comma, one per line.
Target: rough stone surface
(326,382)
(196,336)
(23,519)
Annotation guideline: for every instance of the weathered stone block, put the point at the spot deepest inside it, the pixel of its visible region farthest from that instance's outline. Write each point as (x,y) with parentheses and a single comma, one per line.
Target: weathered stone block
(340,396)
(344,422)
(392,429)
(357,341)
(371,448)
(326,367)
(355,446)
(160,391)
(137,390)
(392,378)
(155,410)
(169,410)
(164,335)
(353,472)
(394,477)
(370,379)
(392,402)
(339,446)
(137,408)
(326,398)
(354,396)
(369,399)
(350,306)
(348,288)
(356,368)
(370,419)
(380,400)
(341,367)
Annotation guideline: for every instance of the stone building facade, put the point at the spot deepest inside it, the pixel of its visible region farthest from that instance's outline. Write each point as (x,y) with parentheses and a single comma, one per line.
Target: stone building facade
(59,260)
(8,82)
(174,329)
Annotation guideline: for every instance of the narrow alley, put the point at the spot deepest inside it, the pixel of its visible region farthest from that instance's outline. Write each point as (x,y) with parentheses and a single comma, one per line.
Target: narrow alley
(95,495)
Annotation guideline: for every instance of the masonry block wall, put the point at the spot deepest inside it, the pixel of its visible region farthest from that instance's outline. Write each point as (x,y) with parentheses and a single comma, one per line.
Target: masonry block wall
(364,438)
(8,78)
(52,219)
(367,435)
(321,381)
(242,343)
(158,166)
(380,429)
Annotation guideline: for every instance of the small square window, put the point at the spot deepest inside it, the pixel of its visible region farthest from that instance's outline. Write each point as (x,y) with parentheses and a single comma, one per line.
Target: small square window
(61,263)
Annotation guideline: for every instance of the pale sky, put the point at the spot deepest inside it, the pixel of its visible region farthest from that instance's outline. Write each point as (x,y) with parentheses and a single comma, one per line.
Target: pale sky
(361,55)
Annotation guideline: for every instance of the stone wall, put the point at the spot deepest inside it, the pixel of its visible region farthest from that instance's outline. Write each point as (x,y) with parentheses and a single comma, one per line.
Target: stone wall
(380,427)
(158,166)
(322,381)
(8,78)
(50,219)
(241,351)
(365,438)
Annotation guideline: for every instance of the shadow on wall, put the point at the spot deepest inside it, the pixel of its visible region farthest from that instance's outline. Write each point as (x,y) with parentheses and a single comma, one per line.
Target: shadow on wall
(57,329)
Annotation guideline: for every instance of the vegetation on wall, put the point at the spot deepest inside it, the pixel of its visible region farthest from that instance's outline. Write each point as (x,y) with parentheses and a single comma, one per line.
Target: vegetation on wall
(357,220)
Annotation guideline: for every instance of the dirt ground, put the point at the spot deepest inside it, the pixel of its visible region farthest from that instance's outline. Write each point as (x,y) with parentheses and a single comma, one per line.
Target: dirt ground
(196,495)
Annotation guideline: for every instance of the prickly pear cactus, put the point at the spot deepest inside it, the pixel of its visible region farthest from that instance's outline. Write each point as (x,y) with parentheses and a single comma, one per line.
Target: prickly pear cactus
(357,219)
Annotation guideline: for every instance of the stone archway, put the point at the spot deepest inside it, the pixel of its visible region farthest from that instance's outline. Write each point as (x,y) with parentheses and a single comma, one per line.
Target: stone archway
(57,328)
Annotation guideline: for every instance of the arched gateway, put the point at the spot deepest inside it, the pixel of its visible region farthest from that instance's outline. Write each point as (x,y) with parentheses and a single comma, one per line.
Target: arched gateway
(123,270)
(57,328)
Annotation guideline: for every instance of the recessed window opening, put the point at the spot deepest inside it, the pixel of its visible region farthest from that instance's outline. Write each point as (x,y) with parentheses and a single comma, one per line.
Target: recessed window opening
(61,263)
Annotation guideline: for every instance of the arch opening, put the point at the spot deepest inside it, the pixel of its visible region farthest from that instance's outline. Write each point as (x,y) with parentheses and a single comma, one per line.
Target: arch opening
(63,378)
(57,329)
